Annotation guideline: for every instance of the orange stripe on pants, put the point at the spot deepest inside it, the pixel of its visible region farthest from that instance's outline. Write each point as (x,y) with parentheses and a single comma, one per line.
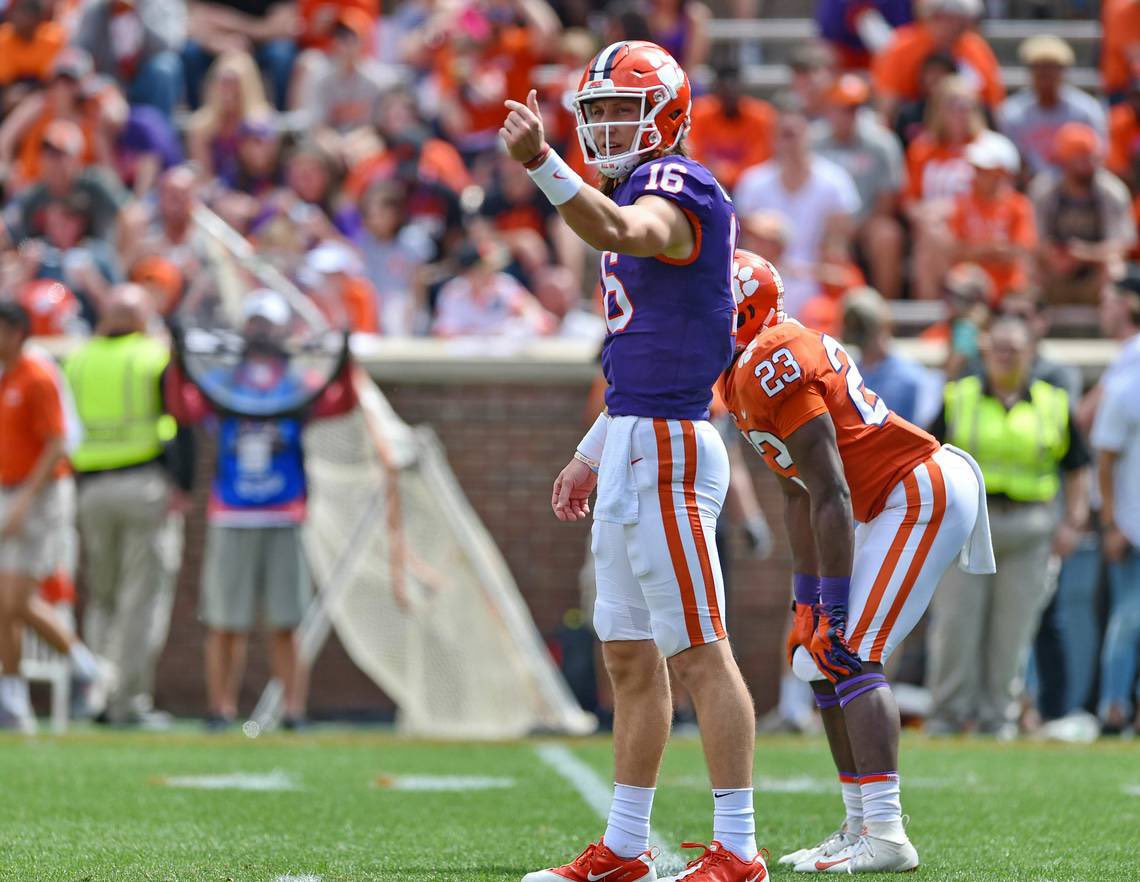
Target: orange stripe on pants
(913,499)
(938,485)
(689,439)
(673,533)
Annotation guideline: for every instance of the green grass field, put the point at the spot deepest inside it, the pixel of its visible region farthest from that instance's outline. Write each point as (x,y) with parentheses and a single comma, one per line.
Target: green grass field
(358,806)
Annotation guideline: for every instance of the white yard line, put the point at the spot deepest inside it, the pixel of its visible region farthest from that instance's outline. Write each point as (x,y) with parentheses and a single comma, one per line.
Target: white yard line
(306,878)
(597,793)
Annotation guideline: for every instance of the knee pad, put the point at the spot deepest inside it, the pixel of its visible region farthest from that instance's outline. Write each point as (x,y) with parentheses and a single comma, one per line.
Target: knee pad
(615,622)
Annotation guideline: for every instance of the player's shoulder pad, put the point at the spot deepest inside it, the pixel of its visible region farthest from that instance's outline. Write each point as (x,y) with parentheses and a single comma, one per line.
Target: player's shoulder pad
(789,334)
(679,179)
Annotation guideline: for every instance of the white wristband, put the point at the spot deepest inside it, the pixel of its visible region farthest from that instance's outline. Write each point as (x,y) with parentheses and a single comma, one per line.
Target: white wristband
(594,442)
(556,179)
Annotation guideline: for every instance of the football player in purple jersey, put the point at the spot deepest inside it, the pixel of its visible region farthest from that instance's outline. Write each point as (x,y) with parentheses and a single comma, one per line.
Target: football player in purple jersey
(667,231)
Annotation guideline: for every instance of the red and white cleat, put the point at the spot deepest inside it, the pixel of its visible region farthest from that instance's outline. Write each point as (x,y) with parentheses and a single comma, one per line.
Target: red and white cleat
(598,862)
(718,864)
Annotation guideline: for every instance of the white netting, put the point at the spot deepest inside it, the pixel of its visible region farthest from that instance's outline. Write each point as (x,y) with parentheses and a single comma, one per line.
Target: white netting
(415,587)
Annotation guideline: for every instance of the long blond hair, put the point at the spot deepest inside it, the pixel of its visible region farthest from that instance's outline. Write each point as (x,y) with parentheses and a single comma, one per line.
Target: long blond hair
(950,89)
(208,118)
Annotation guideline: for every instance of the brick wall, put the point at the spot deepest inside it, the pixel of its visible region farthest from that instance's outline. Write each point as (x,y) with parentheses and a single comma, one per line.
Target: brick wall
(506,442)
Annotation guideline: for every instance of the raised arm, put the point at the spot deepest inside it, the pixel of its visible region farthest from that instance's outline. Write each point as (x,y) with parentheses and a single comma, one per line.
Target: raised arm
(649,227)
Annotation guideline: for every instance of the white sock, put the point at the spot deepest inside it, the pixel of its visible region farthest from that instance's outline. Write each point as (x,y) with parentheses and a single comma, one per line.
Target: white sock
(83,661)
(627,830)
(881,801)
(734,824)
(852,801)
(14,695)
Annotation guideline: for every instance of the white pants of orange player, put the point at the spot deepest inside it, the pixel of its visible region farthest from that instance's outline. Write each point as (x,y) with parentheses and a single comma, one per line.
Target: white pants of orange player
(654,545)
(902,553)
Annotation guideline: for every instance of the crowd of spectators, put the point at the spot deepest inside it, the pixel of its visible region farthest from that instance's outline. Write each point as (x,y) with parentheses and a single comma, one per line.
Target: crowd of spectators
(359,152)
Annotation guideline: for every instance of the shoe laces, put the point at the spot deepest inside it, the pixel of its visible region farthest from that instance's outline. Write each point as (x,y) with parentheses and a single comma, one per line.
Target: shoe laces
(585,859)
(709,857)
(862,846)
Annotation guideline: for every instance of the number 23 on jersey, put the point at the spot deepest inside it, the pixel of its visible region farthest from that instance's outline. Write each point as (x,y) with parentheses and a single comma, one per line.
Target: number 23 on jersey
(781,369)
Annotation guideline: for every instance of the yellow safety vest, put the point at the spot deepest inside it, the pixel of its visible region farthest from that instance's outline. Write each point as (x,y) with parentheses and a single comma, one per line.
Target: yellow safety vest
(1020,449)
(115,381)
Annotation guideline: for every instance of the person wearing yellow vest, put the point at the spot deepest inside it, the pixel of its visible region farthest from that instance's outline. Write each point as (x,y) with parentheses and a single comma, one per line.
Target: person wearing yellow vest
(1021,432)
(129,513)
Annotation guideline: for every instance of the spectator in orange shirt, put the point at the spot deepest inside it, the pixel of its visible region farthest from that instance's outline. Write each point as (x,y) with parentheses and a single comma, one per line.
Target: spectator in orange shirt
(490,55)
(1124,146)
(335,278)
(731,131)
(1123,158)
(33,498)
(29,43)
(938,173)
(1084,217)
(525,221)
(947,27)
(993,224)
(319,18)
(406,145)
(1120,50)
(23,131)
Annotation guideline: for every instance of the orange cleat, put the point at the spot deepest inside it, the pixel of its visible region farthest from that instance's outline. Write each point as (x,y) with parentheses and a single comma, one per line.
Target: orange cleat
(718,864)
(598,862)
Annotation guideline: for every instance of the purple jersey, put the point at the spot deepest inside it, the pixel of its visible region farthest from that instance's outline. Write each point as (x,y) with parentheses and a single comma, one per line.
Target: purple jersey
(671,322)
(836,18)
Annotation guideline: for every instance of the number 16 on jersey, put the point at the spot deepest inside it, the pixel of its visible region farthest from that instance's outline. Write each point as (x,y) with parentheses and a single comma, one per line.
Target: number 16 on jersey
(616,306)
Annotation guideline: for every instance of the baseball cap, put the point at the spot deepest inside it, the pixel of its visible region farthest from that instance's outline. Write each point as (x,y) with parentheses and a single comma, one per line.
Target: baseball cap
(72,63)
(1075,140)
(266,304)
(991,150)
(356,21)
(64,136)
(1046,49)
(850,90)
(332,257)
(866,305)
(968,281)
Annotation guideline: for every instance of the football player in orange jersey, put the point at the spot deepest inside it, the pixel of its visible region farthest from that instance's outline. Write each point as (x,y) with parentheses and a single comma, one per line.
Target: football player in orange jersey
(875,512)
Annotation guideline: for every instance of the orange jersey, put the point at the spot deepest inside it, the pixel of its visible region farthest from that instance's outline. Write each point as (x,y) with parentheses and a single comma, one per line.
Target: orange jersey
(1123,140)
(729,145)
(31,60)
(1121,29)
(31,415)
(897,70)
(789,375)
(1007,219)
(936,171)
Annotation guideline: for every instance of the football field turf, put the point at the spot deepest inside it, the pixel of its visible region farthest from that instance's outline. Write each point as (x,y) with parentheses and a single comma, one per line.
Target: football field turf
(347,805)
